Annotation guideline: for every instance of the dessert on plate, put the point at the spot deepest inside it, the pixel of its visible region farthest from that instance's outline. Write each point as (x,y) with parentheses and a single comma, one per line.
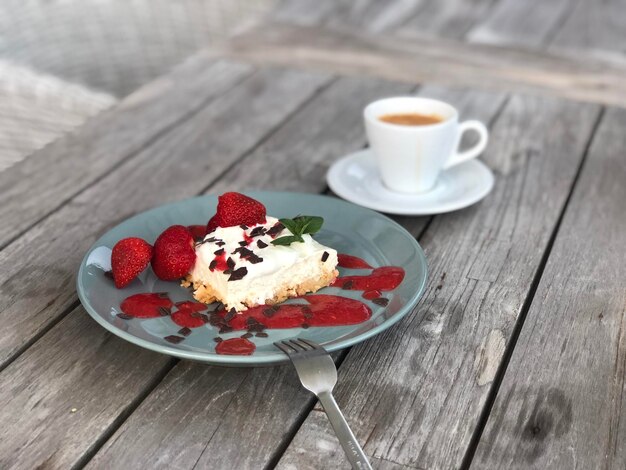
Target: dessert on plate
(242,259)
(262,260)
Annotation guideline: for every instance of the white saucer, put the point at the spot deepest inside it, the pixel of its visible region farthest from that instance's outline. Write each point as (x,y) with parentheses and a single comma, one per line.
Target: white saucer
(356,179)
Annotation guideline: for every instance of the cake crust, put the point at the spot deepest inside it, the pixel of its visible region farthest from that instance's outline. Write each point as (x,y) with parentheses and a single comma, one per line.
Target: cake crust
(206,294)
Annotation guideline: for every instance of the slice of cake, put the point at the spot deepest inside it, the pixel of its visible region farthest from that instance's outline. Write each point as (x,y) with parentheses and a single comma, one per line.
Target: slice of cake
(261,261)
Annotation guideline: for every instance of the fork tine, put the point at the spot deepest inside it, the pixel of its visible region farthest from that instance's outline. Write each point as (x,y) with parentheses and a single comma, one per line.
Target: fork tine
(303,344)
(292,347)
(310,343)
(297,346)
(283,348)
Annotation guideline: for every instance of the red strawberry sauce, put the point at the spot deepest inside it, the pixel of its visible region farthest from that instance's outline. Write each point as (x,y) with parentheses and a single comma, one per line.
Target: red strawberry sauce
(146,305)
(235,347)
(319,309)
(221,262)
(351,262)
(371,294)
(384,278)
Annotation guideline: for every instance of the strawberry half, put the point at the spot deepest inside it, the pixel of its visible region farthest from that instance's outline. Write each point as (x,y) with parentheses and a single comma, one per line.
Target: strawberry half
(129,257)
(174,254)
(236,209)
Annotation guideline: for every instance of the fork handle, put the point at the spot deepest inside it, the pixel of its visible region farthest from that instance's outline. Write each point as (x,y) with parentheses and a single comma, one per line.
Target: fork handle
(351,447)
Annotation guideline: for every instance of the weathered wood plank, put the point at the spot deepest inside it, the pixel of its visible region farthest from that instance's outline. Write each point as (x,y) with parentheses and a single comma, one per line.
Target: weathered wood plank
(371,15)
(450,19)
(67,390)
(513,23)
(269,402)
(204,146)
(433,60)
(38,185)
(594,29)
(562,402)
(414,394)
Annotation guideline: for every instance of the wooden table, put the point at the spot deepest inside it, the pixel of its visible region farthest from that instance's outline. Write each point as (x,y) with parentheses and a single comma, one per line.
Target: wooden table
(514,358)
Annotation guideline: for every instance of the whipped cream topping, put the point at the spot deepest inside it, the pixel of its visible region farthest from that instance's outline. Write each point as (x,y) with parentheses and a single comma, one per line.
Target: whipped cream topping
(266,259)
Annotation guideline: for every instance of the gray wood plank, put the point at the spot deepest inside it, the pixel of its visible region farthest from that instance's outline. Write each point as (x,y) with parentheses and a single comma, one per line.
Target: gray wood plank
(38,185)
(370,15)
(414,394)
(67,390)
(269,403)
(530,23)
(433,60)
(562,400)
(594,28)
(178,165)
(450,19)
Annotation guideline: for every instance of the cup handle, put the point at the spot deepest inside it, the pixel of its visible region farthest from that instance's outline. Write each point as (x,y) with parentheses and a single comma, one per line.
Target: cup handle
(460,157)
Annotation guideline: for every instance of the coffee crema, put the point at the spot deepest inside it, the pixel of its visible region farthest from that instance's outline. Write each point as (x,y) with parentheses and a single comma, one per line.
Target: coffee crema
(411,119)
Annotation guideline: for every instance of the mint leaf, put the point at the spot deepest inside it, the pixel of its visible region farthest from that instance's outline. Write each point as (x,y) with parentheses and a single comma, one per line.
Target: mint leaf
(291,225)
(298,226)
(313,225)
(288,240)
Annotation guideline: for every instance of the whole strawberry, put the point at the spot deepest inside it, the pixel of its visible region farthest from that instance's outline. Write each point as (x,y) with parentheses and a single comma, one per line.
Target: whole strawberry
(236,209)
(174,254)
(129,257)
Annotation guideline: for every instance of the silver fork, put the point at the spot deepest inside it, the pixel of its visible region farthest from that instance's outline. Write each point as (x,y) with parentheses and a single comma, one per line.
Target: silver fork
(318,373)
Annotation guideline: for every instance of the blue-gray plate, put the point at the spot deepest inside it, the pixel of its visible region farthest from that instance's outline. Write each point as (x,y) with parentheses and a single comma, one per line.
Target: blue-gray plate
(348,228)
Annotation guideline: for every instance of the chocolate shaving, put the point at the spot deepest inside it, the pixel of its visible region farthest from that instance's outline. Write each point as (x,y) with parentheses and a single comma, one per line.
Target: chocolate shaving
(381,301)
(261,244)
(225,329)
(219,252)
(244,226)
(243,251)
(230,263)
(258,231)
(247,254)
(347,285)
(307,312)
(251,321)
(217,339)
(261,334)
(213,264)
(247,335)
(230,315)
(184,331)
(238,274)
(269,312)
(243,243)
(173,339)
(276,229)
(164,312)
(220,243)
(325,256)
(124,316)
(210,240)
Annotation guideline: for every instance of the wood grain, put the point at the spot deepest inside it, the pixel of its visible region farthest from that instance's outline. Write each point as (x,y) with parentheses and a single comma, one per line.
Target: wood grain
(450,19)
(530,23)
(179,165)
(37,186)
(562,400)
(594,29)
(269,403)
(67,390)
(414,394)
(433,60)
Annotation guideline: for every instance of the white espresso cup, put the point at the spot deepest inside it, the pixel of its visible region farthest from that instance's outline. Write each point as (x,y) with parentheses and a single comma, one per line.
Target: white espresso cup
(410,158)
